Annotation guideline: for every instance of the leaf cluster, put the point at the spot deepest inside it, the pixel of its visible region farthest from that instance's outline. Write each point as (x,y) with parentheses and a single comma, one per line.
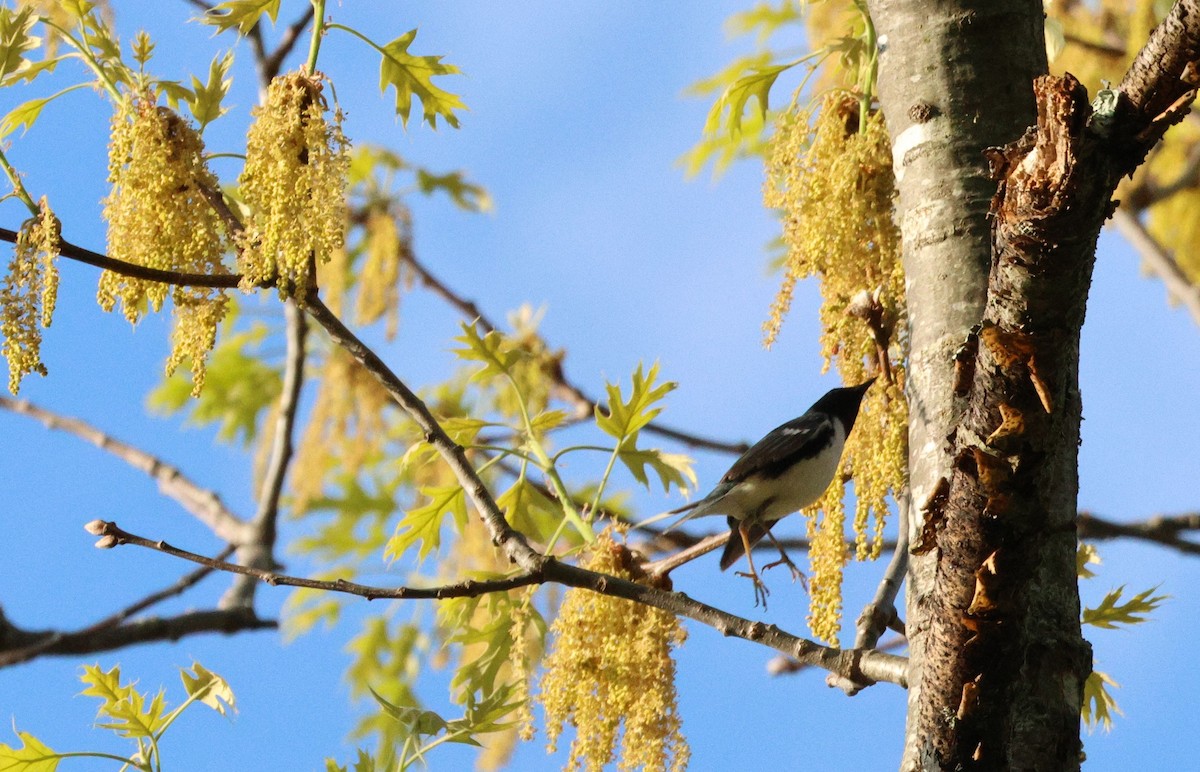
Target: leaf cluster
(128,713)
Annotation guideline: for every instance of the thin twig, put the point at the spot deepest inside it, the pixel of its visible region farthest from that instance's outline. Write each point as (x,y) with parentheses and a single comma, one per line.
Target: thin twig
(178,278)
(880,614)
(52,639)
(465,589)
(260,550)
(204,504)
(1159,261)
(869,665)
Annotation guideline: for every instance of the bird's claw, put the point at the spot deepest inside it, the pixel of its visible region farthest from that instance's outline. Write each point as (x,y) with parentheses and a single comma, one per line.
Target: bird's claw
(797,574)
(760,589)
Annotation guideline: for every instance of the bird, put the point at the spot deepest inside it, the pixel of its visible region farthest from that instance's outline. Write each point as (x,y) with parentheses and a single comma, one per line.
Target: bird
(787,470)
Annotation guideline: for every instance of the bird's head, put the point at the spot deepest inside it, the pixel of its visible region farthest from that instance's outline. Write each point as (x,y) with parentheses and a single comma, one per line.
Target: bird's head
(844,402)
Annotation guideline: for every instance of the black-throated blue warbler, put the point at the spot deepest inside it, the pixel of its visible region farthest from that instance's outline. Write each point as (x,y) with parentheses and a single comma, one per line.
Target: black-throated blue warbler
(784,472)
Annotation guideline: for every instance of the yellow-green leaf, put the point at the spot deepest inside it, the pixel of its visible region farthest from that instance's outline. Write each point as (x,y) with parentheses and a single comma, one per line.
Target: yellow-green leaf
(205,103)
(243,14)
(15,39)
(491,350)
(1086,555)
(1098,703)
(413,76)
(466,195)
(424,524)
(209,688)
(671,468)
(1111,612)
(32,756)
(622,418)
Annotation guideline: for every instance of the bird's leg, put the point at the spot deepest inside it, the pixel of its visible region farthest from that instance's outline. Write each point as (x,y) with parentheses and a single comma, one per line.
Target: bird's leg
(760,590)
(786,561)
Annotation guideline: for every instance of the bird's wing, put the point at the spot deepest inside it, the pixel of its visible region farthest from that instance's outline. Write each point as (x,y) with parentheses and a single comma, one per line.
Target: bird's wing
(802,437)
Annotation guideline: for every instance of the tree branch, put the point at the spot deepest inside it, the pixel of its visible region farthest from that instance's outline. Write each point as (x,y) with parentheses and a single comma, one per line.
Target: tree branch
(271,63)
(1161,83)
(178,278)
(204,504)
(10,634)
(870,666)
(260,550)
(1160,529)
(149,630)
(1160,262)
(112,536)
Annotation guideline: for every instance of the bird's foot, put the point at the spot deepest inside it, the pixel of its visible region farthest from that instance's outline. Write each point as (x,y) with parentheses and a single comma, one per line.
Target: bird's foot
(760,589)
(797,574)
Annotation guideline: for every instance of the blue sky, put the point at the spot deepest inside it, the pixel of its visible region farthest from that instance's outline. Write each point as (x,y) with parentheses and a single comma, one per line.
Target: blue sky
(576,120)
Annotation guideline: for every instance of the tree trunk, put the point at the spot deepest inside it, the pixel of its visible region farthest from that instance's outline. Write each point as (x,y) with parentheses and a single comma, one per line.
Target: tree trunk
(997,289)
(997,658)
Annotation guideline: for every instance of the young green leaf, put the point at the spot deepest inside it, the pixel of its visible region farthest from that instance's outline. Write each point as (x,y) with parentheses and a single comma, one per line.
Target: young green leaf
(728,111)
(143,47)
(1098,702)
(621,418)
(529,510)
(413,76)
(1085,556)
(24,115)
(239,387)
(243,14)
(33,756)
(491,350)
(1111,612)
(205,103)
(671,468)
(209,688)
(424,524)
(131,715)
(15,39)
(466,195)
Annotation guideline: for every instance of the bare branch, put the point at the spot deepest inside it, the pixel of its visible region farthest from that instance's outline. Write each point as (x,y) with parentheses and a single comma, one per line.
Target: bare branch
(870,666)
(27,651)
(880,614)
(259,551)
(178,278)
(1161,83)
(147,630)
(204,504)
(1160,262)
(270,64)
(1166,531)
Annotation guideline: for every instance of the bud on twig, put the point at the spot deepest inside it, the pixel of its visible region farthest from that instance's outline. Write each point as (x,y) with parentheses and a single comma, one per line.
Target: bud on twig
(96,527)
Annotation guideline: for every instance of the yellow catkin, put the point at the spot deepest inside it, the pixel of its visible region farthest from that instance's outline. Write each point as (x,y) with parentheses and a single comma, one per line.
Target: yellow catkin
(388,247)
(830,176)
(160,216)
(29,293)
(348,425)
(294,184)
(610,669)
